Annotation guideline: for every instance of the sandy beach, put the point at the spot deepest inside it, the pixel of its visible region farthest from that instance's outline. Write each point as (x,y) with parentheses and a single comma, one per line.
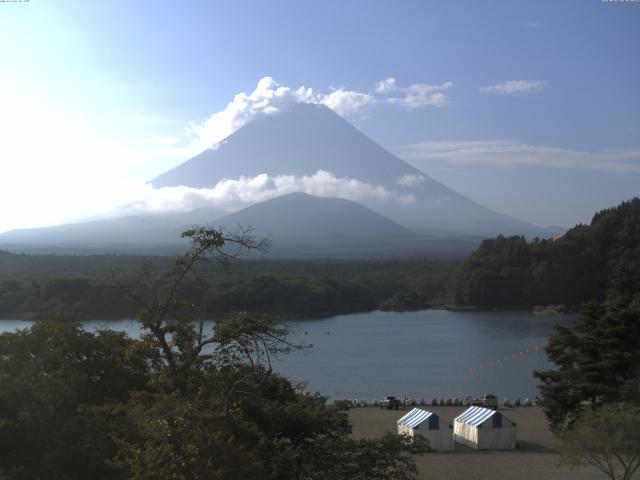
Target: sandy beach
(536,456)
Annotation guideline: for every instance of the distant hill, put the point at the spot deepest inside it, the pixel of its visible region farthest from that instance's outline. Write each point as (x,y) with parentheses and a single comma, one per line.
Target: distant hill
(571,269)
(159,233)
(301,225)
(306,138)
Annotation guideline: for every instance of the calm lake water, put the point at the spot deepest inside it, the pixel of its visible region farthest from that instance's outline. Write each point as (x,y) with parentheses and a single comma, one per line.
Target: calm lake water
(425,354)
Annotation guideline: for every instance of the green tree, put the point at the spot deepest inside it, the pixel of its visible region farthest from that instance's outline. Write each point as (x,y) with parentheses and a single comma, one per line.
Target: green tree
(217,410)
(55,378)
(183,402)
(597,358)
(572,269)
(607,438)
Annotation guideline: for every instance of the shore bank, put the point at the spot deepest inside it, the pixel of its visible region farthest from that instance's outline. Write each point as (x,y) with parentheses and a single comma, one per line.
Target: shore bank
(536,456)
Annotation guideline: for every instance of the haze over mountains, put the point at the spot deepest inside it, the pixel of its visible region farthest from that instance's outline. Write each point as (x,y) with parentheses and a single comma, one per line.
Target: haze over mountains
(387,207)
(156,233)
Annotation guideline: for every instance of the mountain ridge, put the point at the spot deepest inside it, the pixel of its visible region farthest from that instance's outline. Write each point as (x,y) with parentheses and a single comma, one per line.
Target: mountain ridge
(299,225)
(403,210)
(306,138)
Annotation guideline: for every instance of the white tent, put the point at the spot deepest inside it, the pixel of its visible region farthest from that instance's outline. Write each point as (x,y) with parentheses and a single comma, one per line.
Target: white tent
(483,428)
(427,424)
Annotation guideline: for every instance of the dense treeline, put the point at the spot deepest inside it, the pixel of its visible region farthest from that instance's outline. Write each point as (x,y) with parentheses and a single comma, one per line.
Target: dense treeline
(309,288)
(21,266)
(571,270)
(502,272)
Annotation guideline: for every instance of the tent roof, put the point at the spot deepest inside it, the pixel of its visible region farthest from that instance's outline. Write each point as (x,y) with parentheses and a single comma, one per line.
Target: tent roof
(415,417)
(475,415)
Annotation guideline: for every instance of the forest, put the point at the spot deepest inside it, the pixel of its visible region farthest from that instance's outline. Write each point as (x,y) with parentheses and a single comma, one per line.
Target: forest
(569,270)
(32,286)
(186,402)
(504,272)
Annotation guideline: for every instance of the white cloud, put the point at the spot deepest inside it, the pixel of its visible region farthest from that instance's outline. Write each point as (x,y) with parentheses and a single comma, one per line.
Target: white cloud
(346,102)
(415,95)
(267,98)
(410,180)
(233,194)
(507,153)
(420,98)
(514,86)
(386,86)
(270,97)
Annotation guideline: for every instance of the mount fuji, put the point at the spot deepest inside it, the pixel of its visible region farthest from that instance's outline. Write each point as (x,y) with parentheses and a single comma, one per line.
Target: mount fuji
(325,189)
(307,138)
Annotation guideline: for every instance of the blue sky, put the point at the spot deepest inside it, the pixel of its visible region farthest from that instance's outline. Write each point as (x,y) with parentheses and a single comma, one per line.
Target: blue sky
(536,110)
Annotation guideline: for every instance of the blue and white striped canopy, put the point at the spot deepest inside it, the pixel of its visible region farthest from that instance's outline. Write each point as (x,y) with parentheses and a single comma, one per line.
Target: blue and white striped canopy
(475,415)
(415,417)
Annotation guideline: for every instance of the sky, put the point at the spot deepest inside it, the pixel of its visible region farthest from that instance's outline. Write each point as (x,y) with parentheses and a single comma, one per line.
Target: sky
(529,108)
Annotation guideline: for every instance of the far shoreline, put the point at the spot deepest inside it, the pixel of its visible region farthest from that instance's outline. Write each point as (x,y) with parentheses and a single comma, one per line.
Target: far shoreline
(543,310)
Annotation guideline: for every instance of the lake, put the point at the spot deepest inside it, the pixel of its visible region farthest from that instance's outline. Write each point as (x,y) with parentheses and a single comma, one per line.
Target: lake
(424,354)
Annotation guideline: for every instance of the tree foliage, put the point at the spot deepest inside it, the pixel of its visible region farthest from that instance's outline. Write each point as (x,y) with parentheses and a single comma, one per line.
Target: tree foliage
(607,438)
(56,379)
(312,288)
(572,269)
(597,358)
(182,402)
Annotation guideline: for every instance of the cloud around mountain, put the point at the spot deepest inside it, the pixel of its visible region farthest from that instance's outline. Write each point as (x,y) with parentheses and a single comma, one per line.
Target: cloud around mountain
(270,97)
(233,194)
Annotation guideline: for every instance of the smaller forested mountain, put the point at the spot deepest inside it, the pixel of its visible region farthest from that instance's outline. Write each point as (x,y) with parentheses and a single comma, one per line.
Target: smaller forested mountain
(305,226)
(298,223)
(571,270)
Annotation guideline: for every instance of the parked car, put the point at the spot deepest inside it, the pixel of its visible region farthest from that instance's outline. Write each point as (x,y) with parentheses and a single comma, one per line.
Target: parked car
(490,401)
(470,401)
(390,403)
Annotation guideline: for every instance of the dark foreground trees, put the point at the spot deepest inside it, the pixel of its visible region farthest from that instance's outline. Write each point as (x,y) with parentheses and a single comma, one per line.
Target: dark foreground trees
(598,358)
(592,398)
(181,402)
(607,438)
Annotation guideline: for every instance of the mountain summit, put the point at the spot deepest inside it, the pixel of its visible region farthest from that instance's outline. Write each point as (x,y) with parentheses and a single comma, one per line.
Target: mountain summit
(307,138)
(297,141)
